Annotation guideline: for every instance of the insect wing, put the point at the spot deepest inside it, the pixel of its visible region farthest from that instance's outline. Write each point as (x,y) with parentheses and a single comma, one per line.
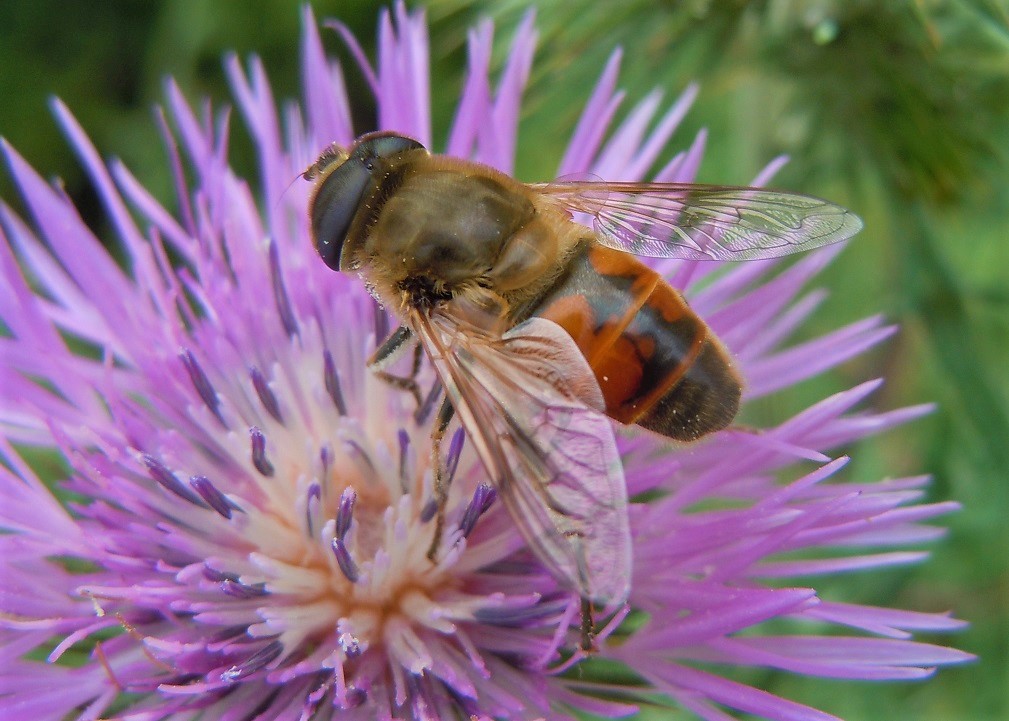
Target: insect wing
(528,401)
(704,222)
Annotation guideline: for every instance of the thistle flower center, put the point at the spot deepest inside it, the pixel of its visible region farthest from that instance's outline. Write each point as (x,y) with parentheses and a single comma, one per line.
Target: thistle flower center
(337,557)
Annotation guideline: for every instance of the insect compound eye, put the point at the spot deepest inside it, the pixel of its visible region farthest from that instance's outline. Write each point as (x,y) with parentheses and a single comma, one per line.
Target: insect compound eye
(383,145)
(333,208)
(342,190)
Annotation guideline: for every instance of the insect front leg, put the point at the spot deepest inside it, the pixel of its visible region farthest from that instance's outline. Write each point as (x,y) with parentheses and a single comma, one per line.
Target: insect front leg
(441,483)
(386,353)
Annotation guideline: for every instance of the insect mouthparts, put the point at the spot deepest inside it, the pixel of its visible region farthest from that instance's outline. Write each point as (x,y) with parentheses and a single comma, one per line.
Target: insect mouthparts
(423,292)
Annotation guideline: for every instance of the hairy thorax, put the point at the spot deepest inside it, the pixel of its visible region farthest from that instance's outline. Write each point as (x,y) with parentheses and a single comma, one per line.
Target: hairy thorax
(443,234)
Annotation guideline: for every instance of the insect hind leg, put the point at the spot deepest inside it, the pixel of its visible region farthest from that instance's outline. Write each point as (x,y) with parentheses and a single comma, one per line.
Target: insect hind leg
(588,629)
(441,481)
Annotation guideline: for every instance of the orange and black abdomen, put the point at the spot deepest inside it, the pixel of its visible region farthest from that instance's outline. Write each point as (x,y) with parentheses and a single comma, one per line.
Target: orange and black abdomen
(657,363)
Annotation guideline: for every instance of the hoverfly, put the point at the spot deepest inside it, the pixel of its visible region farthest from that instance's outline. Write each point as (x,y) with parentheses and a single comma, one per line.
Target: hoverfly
(541,329)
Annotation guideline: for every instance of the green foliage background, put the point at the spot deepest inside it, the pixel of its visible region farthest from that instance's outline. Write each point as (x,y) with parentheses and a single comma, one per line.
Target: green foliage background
(898,109)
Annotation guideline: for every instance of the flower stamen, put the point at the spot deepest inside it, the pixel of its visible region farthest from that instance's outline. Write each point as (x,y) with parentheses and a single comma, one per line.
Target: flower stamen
(344,560)
(454,451)
(313,501)
(201,383)
(287,317)
(483,498)
(259,459)
(344,515)
(253,663)
(332,381)
(164,477)
(429,510)
(266,395)
(213,496)
(404,446)
(424,410)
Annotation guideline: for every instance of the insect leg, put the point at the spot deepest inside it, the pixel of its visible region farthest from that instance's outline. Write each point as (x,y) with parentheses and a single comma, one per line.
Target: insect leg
(387,352)
(588,644)
(445,414)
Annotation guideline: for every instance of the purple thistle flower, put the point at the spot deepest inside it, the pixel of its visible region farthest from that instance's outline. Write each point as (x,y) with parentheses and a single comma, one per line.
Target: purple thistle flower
(243,528)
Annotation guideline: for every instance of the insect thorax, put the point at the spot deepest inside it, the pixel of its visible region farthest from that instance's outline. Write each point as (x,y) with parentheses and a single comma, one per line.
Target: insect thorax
(443,231)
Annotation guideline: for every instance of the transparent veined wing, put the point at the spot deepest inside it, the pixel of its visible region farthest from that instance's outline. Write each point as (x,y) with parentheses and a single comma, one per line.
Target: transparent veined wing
(531,407)
(704,222)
